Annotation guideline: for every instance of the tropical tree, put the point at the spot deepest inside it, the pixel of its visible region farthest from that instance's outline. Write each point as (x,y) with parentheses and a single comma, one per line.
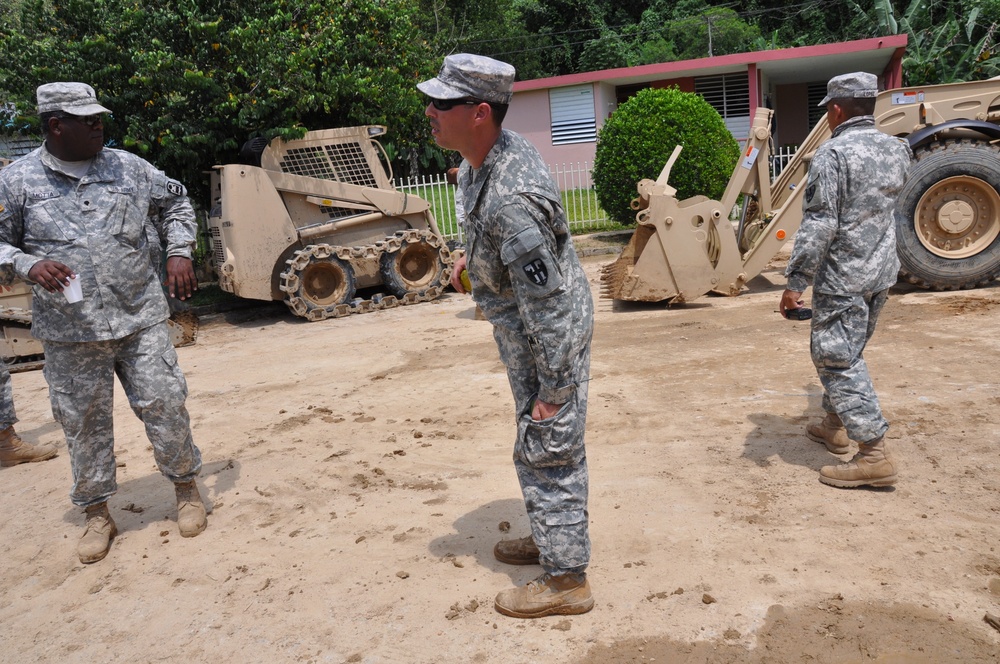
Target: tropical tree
(944,46)
(607,52)
(708,31)
(190,80)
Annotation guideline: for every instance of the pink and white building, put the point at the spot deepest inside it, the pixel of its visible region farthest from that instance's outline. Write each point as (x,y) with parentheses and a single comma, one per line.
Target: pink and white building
(562,115)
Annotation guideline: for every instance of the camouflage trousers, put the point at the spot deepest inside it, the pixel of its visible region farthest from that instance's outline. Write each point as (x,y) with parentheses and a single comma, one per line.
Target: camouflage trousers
(81,389)
(551,462)
(7,415)
(841,327)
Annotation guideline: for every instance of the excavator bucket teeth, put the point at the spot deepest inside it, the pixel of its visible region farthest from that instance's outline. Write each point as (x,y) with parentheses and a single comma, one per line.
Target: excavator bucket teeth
(613,277)
(641,272)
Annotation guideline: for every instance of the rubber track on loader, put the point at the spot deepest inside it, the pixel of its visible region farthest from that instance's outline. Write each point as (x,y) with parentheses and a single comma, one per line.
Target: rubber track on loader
(379,301)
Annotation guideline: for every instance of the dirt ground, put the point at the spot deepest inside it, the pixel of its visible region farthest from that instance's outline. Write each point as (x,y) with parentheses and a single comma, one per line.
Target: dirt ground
(359,472)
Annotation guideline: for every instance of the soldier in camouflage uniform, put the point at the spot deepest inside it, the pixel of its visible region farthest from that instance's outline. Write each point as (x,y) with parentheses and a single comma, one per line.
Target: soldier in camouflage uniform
(74,209)
(527,279)
(846,248)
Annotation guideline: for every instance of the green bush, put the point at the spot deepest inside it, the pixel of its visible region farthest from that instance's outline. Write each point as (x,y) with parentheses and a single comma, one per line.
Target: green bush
(638,138)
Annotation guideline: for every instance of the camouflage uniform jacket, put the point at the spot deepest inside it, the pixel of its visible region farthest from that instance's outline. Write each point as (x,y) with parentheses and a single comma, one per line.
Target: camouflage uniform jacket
(525,274)
(847,242)
(95,226)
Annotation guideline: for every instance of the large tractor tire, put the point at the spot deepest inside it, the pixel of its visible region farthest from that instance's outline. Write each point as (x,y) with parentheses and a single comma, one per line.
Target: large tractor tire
(415,267)
(948,230)
(316,280)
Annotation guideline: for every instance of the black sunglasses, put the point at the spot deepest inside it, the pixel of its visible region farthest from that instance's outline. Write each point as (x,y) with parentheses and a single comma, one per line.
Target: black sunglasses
(448,104)
(89,120)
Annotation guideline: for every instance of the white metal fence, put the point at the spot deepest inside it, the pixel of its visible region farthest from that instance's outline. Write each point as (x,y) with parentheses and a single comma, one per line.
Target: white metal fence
(780,159)
(574,181)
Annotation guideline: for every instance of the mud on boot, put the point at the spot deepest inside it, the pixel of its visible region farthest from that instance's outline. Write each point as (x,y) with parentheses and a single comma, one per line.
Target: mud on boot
(13,450)
(831,432)
(871,466)
(97,535)
(563,595)
(517,552)
(191,516)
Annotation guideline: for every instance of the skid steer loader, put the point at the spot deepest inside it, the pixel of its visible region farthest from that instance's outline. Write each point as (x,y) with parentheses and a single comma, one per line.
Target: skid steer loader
(315,222)
(948,228)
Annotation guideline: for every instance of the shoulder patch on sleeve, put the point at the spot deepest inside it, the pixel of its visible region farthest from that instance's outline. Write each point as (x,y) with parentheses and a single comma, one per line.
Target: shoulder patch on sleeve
(536,271)
(174,187)
(531,263)
(810,192)
(813,195)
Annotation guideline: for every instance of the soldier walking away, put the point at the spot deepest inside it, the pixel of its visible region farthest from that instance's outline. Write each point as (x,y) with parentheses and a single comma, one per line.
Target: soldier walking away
(73,209)
(846,248)
(13,450)
(527,279)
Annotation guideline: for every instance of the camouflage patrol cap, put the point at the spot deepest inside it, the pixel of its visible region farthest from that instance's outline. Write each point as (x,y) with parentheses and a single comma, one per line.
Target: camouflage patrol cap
(856,85)
(72,98)
(475,76)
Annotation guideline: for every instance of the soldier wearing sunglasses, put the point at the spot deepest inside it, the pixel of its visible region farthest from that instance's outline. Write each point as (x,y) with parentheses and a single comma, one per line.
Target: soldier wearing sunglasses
(73,209)
(527,279)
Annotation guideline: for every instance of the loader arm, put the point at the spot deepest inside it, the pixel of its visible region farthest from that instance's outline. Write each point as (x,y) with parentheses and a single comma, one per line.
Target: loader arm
(947,229)
(786,215)
(682,250)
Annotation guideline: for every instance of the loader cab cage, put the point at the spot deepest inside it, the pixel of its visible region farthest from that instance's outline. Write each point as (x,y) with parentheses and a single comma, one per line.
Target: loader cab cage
(349,156)
(343,162)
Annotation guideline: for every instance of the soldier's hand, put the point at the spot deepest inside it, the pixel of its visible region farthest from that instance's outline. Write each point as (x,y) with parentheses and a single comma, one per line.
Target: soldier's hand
(789,300)
(181,282)
(53,276)
(456,274)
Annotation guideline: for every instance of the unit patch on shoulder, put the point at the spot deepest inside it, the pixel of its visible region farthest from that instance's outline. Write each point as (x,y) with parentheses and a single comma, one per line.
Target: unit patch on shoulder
(810,192)
(537,272)
(175,188)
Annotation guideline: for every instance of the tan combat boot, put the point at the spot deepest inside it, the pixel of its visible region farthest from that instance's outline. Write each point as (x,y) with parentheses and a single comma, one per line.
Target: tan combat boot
(871,466)
(830,432)
(191,518)
(13,450)
(564,595)
(517,552)
(100,530)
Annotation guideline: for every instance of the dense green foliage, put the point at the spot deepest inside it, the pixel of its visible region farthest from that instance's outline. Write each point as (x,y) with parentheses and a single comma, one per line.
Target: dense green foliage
(638,139)
(950,39)
(188,82)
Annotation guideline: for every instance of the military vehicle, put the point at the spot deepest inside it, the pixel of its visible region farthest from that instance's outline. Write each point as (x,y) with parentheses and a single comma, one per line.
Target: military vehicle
(317,223)
(948,229)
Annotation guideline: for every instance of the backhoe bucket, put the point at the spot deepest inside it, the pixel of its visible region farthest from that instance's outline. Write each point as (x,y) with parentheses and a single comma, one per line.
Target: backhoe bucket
(674,253)
(683,249)
(626,279)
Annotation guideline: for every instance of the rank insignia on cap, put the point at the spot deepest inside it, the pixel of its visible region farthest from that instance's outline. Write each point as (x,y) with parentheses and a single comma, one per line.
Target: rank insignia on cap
(537,271)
